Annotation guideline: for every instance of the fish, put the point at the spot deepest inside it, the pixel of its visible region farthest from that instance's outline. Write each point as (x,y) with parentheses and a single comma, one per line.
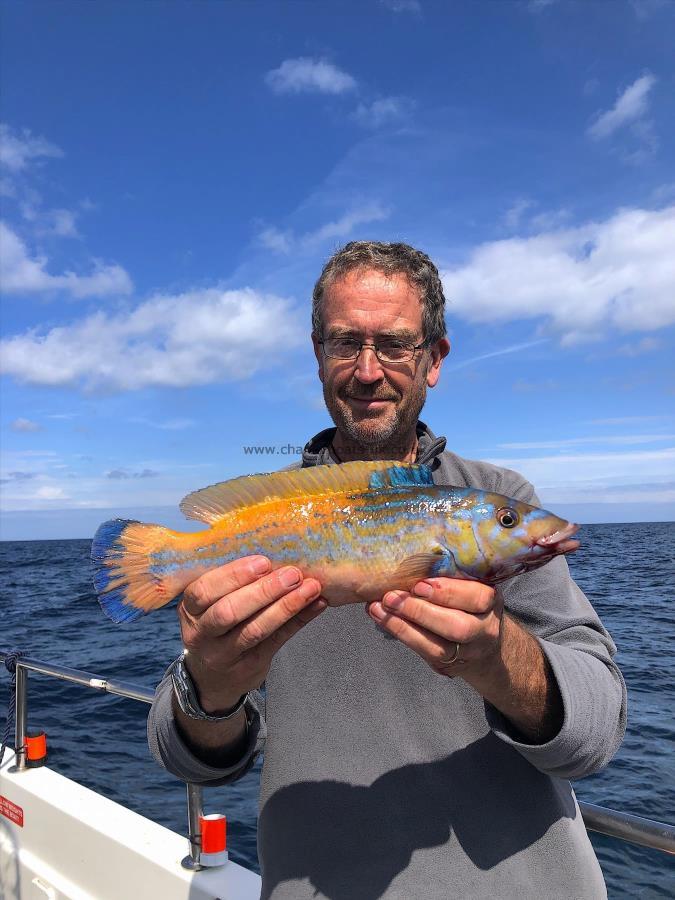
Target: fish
(360,528)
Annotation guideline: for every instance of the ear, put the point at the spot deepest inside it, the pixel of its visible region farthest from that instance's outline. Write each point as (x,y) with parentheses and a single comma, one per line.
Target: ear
(438,352)
(318,352)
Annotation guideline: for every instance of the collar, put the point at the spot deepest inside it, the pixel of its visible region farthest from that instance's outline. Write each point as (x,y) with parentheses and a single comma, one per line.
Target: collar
(429,447)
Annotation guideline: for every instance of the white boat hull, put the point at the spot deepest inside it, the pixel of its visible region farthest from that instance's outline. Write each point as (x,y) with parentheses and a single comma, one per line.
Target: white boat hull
(62,841)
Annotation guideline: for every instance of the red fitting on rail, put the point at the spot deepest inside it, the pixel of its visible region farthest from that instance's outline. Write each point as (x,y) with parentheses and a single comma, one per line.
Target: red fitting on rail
(214,840)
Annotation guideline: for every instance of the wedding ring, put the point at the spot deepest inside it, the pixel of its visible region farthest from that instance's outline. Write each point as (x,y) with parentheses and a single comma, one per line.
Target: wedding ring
(453,659)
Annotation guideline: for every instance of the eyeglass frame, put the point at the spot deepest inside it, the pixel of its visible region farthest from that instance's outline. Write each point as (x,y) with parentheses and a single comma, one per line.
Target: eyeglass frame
(413,348)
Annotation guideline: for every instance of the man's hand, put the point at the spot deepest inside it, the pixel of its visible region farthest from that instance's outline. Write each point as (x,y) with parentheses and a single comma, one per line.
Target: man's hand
(459,628)
(234,619)
(440,614)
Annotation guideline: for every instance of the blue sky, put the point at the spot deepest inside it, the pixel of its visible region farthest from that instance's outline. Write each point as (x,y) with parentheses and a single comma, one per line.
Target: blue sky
(174,175)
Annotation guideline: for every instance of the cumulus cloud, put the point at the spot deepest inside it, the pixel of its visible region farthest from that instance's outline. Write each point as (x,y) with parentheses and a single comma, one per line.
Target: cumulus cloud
(581,281)
(21,273)
(630,108)
(17,149)
(286,241)
(25,426)
(199,337)
(307,75)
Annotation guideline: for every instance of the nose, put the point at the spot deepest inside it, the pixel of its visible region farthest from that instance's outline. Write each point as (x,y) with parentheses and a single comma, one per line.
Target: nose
(368,367)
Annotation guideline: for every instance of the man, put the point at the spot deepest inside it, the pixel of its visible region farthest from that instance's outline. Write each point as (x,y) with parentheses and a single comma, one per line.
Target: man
(417,748)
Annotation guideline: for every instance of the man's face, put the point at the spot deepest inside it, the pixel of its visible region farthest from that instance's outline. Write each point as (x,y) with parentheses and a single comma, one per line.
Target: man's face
(376,405)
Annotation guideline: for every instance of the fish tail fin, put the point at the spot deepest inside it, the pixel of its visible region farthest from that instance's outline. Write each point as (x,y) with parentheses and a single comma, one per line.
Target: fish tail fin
(125,583)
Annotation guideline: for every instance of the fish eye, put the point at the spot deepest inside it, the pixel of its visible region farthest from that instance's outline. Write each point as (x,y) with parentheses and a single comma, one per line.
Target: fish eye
(507,518)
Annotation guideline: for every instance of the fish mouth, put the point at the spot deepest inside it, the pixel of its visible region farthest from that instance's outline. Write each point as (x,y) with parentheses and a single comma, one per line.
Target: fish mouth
(543,550)
(560,541)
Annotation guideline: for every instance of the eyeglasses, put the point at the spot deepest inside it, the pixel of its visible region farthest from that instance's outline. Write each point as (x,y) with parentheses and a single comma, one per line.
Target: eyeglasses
(389,351)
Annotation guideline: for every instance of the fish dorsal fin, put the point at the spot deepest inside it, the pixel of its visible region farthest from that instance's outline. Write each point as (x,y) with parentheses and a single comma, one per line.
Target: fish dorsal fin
(211,503)
(397,475)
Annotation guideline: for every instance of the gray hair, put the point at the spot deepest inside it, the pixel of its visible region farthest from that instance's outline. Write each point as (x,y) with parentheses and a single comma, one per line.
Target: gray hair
(390,259)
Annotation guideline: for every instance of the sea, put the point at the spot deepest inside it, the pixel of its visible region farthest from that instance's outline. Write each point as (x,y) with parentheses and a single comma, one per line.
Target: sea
(48,610)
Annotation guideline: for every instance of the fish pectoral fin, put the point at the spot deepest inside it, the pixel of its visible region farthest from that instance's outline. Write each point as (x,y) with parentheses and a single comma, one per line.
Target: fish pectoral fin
(439,562)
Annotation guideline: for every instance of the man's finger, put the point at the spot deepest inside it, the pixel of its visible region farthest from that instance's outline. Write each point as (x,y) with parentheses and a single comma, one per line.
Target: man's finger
(211,586)
(269,620)
(448,623)
(286,632)
(239,605)
(455,593)
(431,647)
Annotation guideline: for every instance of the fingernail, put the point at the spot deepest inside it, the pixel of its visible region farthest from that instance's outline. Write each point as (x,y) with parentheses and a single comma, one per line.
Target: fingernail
(260,565)
(289,577)
(319,605)
(394,600)
(309,589)
(424,590)
(376,611)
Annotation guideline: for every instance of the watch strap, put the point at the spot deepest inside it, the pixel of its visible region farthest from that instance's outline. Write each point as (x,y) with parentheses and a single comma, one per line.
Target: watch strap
(187,697)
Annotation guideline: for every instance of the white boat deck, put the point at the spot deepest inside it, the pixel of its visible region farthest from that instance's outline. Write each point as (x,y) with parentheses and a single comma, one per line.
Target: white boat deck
(62,841)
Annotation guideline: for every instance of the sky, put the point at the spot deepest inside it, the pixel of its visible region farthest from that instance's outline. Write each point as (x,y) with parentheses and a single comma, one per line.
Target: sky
(173,177)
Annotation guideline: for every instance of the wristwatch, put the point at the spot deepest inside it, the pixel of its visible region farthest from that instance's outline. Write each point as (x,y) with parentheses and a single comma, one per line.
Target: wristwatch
(186,695)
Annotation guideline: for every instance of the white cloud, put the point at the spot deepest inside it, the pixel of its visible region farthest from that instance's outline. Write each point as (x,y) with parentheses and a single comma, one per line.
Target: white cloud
(18,149)
(60,223)
(167,425)
(199,337)
(372,212)
(514,348)
(20,273)
(627,420)
(613,439)
(581,281)
(276,240)
(599,477)
(382,111)
(514,215)
(402,6)
(25,425)
(631,106)
(307,75)
(536,6)
(644,345)
(643,9)
(286,241)
(50,492)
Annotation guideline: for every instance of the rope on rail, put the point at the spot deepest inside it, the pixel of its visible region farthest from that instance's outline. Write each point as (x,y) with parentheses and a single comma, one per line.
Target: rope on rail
(11,660)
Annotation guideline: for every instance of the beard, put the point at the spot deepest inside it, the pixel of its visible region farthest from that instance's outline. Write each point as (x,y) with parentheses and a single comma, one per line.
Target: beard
(377,432)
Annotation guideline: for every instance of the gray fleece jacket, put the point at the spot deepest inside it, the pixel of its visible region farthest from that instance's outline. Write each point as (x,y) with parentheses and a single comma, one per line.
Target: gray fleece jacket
(382,779)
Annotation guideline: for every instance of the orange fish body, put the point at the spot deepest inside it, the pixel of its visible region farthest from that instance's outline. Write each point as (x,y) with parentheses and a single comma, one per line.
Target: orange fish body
(360,528)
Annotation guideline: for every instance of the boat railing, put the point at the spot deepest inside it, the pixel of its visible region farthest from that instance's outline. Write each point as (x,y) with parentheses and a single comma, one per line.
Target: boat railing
(624,826)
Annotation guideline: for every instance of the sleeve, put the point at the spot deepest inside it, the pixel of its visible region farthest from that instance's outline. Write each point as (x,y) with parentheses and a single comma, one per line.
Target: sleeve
(170,751)
(549,604)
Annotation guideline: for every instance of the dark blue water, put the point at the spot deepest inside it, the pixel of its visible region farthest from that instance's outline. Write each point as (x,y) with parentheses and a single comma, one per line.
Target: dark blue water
(47,606)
